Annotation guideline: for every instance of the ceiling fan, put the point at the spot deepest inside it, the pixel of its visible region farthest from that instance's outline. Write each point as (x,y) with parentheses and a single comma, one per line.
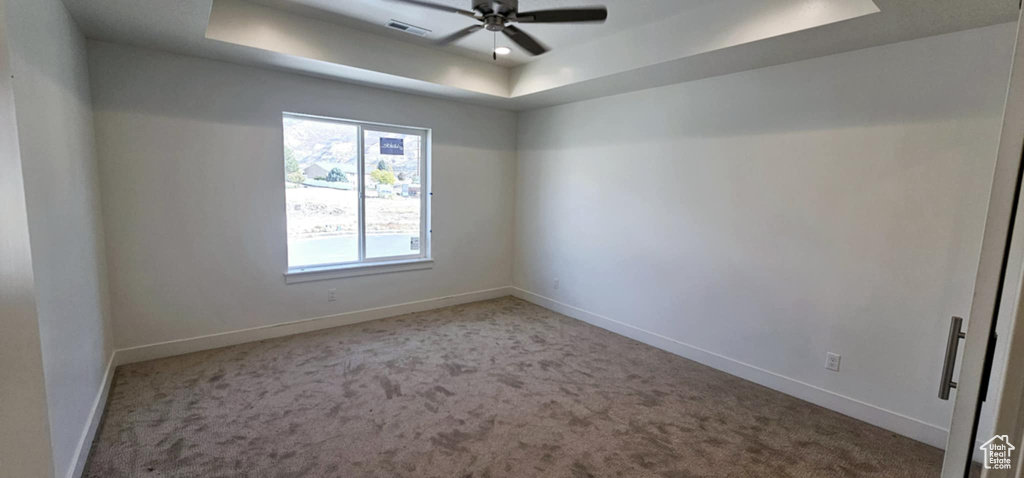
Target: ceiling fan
(498,16)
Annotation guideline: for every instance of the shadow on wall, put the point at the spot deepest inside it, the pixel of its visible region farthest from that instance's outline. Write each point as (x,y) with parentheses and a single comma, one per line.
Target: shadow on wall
(881,85)
(222,101)
(771,216)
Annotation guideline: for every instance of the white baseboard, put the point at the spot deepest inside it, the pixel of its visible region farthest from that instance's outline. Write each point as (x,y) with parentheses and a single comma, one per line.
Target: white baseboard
(207,342)
(93,422)
(887,419)
(224,339)
(880,417)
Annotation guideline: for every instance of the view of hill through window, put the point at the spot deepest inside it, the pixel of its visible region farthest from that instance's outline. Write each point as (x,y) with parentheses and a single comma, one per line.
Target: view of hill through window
(321,159)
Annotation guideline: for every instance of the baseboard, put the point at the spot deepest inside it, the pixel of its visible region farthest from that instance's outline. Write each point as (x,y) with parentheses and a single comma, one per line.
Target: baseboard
(207,342)
(887,419)
(93,422)
(880,417)
(225,339)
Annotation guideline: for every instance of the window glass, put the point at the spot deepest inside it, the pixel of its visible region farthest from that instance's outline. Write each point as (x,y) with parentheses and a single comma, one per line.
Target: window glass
(354,192)
(393,189)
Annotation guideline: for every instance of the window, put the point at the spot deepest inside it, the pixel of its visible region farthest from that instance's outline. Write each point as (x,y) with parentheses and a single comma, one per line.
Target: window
(356,197)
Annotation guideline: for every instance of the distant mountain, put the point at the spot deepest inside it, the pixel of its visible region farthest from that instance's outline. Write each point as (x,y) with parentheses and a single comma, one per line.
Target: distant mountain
(313,141)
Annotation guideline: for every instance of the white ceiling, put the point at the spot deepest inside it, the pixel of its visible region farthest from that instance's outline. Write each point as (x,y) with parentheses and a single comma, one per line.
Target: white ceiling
(372,15)
(645,43)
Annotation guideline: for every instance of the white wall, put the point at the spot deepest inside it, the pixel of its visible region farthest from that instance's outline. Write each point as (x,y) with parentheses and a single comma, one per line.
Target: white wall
(770,216)
(193,194)
(708,29)
(54,119)
(366,57)
(24,428)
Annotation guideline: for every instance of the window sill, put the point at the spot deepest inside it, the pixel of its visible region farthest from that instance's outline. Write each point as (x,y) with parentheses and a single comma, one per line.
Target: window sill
(310,274)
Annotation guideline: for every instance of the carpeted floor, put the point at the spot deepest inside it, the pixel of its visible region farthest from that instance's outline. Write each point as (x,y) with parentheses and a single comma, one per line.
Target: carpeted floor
(500,388)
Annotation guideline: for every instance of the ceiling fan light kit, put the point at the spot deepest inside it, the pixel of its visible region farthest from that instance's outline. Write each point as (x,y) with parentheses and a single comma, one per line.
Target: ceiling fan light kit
(499,16)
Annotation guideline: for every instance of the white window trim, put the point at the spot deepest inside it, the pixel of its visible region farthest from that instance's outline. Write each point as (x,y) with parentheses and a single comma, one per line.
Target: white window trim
(376,265)
(354,269)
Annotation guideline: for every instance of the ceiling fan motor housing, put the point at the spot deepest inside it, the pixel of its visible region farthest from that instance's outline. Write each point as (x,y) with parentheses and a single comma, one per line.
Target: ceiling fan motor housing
(498,7)
(499,16)
(494,23)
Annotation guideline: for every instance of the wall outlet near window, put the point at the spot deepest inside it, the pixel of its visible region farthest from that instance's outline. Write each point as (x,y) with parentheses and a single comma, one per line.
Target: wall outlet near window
(832,361)
(331,295)
(556,282)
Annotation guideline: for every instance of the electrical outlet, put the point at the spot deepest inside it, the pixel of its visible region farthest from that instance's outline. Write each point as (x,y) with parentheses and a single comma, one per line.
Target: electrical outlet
(832,361)
(556,282)
(331,295)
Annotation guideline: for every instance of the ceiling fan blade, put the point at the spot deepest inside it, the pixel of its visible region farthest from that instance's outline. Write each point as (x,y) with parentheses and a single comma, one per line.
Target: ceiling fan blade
(524,40)
(435,6)
(568,15)
(459,34)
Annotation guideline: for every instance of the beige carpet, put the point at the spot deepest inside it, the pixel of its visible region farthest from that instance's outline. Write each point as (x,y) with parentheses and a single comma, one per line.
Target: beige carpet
(500,388)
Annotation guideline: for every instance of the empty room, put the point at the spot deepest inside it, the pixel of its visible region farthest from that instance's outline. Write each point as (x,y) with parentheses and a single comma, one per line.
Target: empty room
(511,238)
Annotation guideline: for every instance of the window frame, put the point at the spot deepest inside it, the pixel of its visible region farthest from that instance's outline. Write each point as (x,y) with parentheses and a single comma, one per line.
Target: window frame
(372,265)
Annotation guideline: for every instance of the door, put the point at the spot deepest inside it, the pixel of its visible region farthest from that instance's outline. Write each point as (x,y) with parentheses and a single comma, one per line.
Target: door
(978,340)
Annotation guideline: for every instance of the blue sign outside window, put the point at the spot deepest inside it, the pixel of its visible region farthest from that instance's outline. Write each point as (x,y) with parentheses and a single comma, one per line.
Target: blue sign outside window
(393,146)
